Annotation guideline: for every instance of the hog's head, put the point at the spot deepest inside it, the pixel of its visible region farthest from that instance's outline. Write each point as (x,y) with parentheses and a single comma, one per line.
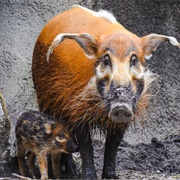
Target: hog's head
(121,75)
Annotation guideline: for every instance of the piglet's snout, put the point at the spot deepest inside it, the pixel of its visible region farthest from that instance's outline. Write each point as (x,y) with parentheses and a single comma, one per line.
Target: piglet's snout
(121,113)
(72,146)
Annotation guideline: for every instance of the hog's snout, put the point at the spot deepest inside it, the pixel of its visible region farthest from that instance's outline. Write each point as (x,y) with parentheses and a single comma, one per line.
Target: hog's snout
(121,113)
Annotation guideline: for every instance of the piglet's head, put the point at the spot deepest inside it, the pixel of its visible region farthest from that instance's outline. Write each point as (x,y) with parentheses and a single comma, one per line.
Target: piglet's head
(61,138)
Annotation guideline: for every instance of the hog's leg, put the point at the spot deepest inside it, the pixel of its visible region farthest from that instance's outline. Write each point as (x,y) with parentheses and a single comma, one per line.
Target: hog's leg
(113,140)
(55,161)
(21,160)
(43,165)
(69,163)
(31,164)
(86,151)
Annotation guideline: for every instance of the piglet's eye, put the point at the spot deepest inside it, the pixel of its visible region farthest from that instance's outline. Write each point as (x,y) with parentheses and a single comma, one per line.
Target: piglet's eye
(106,60)
(133,60)
(61,136)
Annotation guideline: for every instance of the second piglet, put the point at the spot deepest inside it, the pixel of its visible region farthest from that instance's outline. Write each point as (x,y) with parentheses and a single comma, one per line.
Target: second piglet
(39,135)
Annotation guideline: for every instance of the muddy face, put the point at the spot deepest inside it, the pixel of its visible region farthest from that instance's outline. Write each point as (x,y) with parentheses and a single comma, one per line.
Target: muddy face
(119,75)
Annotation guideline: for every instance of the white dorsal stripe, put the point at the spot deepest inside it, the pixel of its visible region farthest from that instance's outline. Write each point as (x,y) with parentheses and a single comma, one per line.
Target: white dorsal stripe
(107,15)
(86,9)
(101,13)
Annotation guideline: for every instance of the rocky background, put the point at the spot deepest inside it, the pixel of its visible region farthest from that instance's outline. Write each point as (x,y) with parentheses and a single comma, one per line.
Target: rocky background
(21,21)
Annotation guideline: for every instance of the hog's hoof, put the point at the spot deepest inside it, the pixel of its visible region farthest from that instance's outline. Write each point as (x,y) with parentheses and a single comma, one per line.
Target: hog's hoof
(70,166)
(89,174)
(71,169)
(109,175)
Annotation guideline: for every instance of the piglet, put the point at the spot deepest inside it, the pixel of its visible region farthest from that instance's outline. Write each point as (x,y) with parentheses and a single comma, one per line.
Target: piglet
(38,135)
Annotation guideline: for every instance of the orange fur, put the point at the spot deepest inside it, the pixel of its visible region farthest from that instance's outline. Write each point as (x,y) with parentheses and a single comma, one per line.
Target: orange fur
(62,84)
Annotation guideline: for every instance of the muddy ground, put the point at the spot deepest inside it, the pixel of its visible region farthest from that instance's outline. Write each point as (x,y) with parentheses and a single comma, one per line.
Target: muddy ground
(157,160)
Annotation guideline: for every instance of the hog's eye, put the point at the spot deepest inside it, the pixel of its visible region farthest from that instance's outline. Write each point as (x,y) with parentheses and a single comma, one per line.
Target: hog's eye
(106,60)
(61,136)
(133,60)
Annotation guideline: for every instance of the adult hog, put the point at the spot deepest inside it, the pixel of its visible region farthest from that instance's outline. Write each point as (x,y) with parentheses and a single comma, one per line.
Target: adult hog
(91,71)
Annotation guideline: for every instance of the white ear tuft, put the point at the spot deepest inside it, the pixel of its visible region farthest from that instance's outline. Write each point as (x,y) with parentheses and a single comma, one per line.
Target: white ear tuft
(147,57)
(152,41)
(173,41)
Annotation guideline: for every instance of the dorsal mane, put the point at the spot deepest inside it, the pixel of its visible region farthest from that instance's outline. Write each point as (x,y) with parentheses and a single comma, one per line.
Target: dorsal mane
(104,14)
(107,15)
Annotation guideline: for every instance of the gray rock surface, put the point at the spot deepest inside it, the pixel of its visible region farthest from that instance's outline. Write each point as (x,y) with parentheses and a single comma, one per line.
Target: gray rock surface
(21,21)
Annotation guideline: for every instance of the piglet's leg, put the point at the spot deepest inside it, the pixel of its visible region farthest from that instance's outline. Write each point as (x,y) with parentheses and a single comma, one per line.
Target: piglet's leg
(43,165)
(113,140)
(21,160)
(31,164)
(55,161)
(68,162)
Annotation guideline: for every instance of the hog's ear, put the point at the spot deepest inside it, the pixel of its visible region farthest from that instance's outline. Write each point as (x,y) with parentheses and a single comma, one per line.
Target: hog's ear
(86,41)
(48,128)
(152,41)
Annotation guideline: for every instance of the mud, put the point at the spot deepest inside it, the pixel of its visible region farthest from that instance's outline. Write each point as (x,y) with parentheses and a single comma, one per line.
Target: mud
(158,159)
(159,156)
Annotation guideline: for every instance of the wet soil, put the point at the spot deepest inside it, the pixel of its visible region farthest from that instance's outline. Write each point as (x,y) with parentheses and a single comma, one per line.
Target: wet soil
(157,160)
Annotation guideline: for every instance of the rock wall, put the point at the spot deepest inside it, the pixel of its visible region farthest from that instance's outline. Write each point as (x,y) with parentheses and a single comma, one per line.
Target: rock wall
(21,22)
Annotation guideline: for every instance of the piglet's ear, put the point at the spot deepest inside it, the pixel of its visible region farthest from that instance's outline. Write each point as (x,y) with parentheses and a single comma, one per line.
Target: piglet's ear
(152,41)
(86,41)
(48,128)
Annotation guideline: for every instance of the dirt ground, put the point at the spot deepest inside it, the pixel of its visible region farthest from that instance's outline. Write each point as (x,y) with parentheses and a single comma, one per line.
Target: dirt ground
(158,160)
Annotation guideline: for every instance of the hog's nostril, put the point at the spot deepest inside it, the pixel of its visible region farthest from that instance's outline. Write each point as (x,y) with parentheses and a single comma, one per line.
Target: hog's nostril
(121,114)
(127,114)
(116,113)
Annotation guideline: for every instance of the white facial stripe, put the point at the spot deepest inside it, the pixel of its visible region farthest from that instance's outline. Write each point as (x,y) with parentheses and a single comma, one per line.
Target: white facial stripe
(148,56)
(121,72)
(102,72)
(137,74)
